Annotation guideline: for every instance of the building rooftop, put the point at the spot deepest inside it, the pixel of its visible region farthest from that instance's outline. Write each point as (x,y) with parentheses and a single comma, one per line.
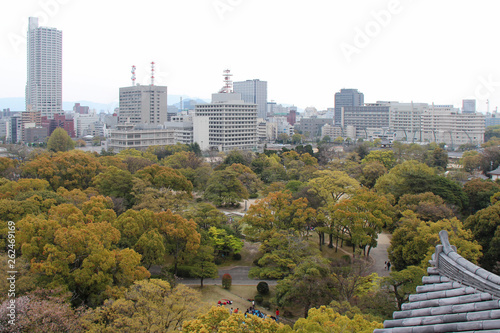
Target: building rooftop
(495,172)
(456,296)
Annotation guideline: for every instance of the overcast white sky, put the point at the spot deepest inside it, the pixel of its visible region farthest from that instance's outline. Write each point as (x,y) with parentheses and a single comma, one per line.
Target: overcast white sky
(408,50)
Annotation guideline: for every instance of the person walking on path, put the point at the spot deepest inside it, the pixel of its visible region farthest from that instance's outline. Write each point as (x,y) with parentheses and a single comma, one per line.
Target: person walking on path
(388,265)
(277,314)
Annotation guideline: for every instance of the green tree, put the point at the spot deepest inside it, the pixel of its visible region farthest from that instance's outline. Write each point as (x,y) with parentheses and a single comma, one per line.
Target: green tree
(114,182)
(278,211)
(59,140)
(326,320)
(218,319)
(403,283)
(71,169)
(438,158)
(146,306)
(332,185)
(362,218)
(279,255)
(223,244)
(427,206)
(485,227)
(139,154)
(413,242)
(297,138)
(81,257)
(161,177)
(225,189)
(352,280)
(386,157)
(151,246)
(203,264)
(371,171)
(181,236)
(471,160)
(479,193)
(310,285)
(247,177)
(8,167)
(411,177)
(238,157)
(206,215)
(492,132)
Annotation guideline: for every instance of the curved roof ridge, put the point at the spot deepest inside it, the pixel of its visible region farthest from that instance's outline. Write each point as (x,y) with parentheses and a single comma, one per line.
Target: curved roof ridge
(452,265)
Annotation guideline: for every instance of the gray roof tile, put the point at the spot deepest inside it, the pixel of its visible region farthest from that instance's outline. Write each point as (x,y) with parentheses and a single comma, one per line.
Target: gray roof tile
(457,296)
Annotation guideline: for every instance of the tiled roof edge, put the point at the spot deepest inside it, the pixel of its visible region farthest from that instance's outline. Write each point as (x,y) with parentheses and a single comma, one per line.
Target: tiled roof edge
(452,265)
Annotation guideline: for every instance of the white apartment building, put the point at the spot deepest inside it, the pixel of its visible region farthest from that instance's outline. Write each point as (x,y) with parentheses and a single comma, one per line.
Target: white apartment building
(278,125)
(261,130)
(226,124)
(331,131)
(83,122)
(143,104)
(449,125)
(405,119)
(140,137)
(44,79)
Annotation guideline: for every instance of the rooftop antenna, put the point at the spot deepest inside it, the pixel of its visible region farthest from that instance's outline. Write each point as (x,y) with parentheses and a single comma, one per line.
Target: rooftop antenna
(152,73)
(228,83)
(133,75)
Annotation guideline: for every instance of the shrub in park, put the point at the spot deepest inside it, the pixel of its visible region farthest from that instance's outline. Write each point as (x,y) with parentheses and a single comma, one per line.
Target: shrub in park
(226,281)
(258,298)
(263,288)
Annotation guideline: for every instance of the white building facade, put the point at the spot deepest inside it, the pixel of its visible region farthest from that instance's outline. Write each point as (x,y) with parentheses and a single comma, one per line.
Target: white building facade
(226,124)
(140,137)
(449,125)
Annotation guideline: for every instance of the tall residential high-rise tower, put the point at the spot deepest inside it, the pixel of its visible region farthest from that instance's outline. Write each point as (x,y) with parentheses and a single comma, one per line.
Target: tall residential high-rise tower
(44,81)
(255,92)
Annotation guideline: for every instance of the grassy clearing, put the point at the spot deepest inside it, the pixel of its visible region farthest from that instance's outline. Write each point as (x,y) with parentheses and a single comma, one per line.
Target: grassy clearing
(211,294)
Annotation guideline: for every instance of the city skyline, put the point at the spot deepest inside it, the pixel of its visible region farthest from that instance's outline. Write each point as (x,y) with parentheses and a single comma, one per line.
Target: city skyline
(404,50)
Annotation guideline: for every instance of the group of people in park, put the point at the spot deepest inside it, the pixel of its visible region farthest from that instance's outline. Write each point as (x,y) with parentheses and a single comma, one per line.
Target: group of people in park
(251,310)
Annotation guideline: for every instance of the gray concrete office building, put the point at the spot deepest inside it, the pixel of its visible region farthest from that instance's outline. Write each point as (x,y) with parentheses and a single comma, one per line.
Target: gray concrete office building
(143,104)
(44,65)
(347,97)
(255,92)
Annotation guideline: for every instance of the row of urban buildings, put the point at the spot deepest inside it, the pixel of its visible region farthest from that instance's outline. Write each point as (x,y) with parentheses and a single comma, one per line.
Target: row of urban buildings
(239,116)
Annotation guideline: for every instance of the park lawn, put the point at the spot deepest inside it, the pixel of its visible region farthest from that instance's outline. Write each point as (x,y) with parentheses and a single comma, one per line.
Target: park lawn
(211,294)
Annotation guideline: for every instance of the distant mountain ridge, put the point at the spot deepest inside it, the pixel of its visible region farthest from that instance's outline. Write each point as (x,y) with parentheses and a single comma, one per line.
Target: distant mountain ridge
(18,103)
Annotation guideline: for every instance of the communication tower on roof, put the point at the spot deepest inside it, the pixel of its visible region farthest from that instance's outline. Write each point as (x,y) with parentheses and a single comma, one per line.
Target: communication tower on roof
(228,83)
(152,73)
(133,75)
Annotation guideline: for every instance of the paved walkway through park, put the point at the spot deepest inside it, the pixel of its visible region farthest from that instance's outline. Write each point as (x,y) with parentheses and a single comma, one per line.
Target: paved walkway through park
(379,256)
(239,274)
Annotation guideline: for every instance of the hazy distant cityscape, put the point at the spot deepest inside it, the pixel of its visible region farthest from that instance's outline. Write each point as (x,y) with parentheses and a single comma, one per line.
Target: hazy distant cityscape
(239,116)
